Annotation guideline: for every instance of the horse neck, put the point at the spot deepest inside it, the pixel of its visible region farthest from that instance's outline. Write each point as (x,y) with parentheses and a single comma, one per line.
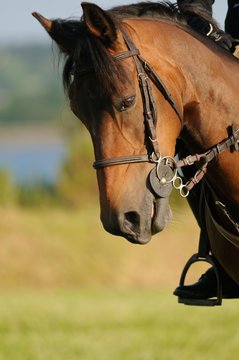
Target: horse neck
(207,80)
(210,108)
(210,94)
(202,77)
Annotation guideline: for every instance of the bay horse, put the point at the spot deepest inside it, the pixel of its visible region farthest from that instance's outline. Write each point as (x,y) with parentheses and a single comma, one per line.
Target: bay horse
(140,78)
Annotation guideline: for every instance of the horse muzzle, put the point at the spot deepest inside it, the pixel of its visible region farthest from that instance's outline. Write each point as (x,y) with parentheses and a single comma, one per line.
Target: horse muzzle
(138,226)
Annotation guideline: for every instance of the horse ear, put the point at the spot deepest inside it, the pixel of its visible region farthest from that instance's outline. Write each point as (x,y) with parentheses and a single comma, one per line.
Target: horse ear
(99,23)
(64,33)
(46,23)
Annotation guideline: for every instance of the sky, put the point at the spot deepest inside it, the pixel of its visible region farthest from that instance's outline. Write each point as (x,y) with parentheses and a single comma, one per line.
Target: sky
(18,26)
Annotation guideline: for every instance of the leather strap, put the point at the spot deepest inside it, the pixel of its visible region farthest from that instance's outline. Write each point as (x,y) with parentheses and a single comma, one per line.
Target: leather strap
(121,160)
(126,54)
(144,71)
(159,83)
(208,156)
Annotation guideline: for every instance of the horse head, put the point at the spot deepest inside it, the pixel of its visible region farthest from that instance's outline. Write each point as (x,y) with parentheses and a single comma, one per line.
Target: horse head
(133,125)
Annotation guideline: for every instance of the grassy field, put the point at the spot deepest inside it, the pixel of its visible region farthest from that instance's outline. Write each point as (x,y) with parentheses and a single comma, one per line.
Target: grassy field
(113,325)
(45,248)
(69,290)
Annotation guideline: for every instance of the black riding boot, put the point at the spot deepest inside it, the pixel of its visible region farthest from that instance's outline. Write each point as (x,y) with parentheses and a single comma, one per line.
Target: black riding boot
(206,287)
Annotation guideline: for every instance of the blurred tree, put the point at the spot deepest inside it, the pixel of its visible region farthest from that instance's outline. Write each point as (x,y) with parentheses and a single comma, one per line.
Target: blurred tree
(77,181)
(8,192)
(30,89)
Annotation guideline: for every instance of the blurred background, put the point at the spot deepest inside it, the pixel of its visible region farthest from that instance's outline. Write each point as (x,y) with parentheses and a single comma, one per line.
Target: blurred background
(67,288)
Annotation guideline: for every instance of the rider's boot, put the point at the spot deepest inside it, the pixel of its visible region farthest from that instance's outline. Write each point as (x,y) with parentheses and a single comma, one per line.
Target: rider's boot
(206,287)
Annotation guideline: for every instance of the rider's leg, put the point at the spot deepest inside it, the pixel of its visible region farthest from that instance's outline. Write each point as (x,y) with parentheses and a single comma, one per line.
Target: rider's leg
(232,19)
(232,25)
(205,4)
(206,286)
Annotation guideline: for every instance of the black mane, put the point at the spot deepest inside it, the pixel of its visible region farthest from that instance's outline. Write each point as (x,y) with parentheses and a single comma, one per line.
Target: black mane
(162,10)
(81,44)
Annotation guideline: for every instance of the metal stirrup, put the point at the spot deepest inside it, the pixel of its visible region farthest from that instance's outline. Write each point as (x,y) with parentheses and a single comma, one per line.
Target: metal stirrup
(203,254)
(202,302)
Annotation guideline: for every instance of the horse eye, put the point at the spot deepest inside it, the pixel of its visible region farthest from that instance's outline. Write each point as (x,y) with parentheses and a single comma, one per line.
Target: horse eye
(127,103)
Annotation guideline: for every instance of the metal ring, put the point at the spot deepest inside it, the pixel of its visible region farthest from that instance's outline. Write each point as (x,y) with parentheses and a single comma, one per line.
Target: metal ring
(210,30)
(169,162)
(173,169)
(172,161)
(182,193)
(183,189)
(177,187)
(155,158)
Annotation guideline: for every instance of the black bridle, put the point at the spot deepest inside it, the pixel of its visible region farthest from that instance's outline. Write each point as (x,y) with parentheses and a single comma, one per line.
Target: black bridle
(165,174)
(144,73)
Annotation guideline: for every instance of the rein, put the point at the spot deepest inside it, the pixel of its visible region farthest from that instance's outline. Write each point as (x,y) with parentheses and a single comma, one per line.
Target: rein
(165,174)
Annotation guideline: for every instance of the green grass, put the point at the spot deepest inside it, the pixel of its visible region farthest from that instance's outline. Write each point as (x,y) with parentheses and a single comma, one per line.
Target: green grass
(113,325)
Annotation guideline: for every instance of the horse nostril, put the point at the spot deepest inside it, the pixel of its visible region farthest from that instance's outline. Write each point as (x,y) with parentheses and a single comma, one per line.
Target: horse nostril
(132,222)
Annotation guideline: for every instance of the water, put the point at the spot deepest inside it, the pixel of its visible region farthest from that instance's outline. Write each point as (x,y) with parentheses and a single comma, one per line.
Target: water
(32,158)
(32,164)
